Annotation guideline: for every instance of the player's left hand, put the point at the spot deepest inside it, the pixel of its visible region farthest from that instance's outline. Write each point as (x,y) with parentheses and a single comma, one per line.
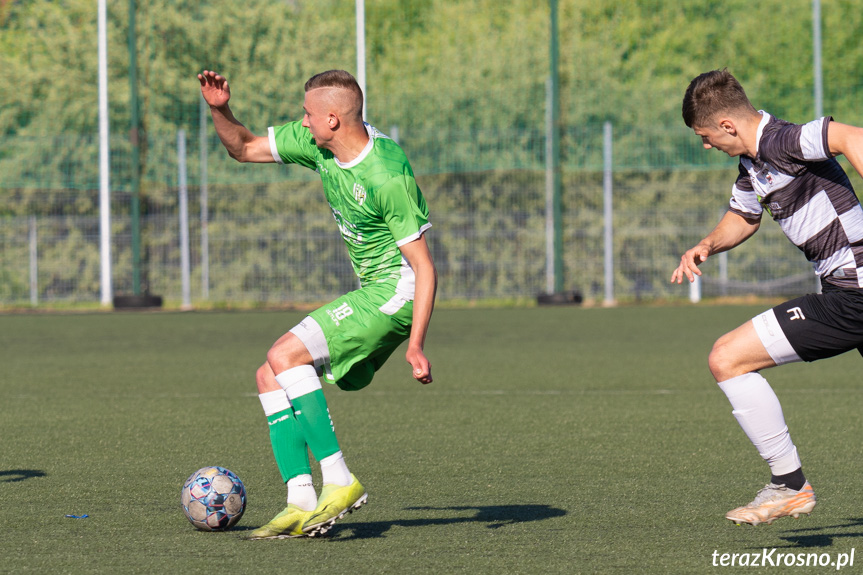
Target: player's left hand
(420,364)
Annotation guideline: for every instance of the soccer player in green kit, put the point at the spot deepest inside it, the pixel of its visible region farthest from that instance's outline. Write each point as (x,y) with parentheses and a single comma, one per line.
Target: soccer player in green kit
(382,215)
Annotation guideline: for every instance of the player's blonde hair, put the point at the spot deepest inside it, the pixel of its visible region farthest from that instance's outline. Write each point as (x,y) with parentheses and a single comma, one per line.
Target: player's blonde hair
(712,93)
(344,81)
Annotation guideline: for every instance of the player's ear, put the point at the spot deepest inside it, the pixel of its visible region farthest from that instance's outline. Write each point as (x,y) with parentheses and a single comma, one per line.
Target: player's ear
(333,121)
(727,126)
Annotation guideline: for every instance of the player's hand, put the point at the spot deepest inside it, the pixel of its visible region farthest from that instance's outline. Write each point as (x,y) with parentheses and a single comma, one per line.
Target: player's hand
(689,263)
(214,88)
(420,364)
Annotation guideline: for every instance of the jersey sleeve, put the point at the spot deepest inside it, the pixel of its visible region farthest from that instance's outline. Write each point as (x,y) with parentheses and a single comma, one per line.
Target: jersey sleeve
(291,143)
(403,209)
(744,200)
(813,140)
(800,142)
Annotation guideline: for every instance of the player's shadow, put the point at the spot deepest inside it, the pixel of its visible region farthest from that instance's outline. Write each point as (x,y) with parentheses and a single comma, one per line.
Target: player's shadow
(12,475)
(814,537)
(494,516)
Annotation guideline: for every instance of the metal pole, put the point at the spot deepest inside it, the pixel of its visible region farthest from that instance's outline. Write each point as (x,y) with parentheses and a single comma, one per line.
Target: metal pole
(695,290)
(104,164)
(549,191)
(607,188)
(185,260)
(34,264)
(361,49)
(135,200)
(205,213)
(553,184)
(816,54)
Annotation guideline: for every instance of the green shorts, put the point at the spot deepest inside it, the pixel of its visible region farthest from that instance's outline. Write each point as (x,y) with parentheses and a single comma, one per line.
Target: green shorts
(362,329)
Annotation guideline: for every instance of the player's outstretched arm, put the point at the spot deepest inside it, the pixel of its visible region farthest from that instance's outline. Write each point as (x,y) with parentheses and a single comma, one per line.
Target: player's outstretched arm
(242,144)
(419,257)
(732,230)
(848,141)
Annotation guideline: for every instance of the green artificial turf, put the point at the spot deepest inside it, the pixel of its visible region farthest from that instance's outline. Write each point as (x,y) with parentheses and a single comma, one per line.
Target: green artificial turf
(553,440)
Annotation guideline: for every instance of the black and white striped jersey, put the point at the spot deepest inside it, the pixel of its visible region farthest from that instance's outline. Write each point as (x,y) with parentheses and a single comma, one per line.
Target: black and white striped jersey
(794,177)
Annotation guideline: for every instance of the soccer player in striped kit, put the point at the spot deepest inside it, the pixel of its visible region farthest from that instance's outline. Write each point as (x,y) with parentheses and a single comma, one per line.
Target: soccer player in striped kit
(789,171)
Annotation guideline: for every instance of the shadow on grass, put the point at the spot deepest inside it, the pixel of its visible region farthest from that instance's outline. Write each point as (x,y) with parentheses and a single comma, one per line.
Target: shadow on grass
(814,537)
(820,539)
(10,475)
(495,516)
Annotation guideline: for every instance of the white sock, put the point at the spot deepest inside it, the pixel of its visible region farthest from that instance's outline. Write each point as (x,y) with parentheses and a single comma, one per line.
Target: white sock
(335,471)
(298,381)
(759,413)
(274,401)
(301,492)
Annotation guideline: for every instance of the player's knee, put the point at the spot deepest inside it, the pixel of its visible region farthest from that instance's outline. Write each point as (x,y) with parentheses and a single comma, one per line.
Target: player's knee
(722,361)
(264,378)
(279,357)
(273,356)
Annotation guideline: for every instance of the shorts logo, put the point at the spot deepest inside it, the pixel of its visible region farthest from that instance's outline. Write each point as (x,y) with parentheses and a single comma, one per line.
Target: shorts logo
(796,313)
(339,314)
(766,323)
(359,193)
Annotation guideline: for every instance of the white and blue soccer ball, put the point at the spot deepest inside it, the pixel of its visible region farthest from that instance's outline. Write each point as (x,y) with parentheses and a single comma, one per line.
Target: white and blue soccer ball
(213,498)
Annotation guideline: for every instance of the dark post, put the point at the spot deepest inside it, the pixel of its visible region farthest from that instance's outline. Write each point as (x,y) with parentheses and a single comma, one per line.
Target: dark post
(135,207)
(555,150)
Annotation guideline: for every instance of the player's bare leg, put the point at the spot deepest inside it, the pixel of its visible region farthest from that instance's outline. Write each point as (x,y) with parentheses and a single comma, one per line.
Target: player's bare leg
(735,361)
(292,458)
(341,492)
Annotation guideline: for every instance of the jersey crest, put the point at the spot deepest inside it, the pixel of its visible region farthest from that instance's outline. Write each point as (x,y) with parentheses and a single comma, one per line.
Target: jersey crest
(359,193)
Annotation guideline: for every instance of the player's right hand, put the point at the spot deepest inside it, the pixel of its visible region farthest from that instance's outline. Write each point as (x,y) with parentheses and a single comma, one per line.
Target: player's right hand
(420,364)
(689,263)
(214,88)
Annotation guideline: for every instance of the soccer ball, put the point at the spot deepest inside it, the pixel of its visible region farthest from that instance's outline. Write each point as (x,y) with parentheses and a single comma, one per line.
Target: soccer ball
(213,498)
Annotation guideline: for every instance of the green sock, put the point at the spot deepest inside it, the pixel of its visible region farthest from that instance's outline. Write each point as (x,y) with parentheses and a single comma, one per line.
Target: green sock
(289,446)
(313,415)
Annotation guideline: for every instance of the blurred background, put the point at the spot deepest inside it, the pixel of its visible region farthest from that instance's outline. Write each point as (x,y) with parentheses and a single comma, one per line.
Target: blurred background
(546,137)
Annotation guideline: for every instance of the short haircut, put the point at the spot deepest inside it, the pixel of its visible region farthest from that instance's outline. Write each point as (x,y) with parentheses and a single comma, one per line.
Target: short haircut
(343,80)
(713,93)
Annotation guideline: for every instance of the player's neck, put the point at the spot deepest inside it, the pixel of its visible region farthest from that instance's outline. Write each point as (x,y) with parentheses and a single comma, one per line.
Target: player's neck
(749,134)
(349,145)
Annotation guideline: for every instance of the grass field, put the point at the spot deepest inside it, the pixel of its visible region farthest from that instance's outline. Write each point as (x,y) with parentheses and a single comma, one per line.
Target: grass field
(552,441)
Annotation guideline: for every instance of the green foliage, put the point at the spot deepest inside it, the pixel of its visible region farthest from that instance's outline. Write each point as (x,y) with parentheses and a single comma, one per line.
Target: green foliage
(464,84)
(441,71)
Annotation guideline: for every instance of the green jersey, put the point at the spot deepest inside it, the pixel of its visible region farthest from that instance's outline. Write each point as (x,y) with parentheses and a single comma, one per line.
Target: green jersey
(374,198)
